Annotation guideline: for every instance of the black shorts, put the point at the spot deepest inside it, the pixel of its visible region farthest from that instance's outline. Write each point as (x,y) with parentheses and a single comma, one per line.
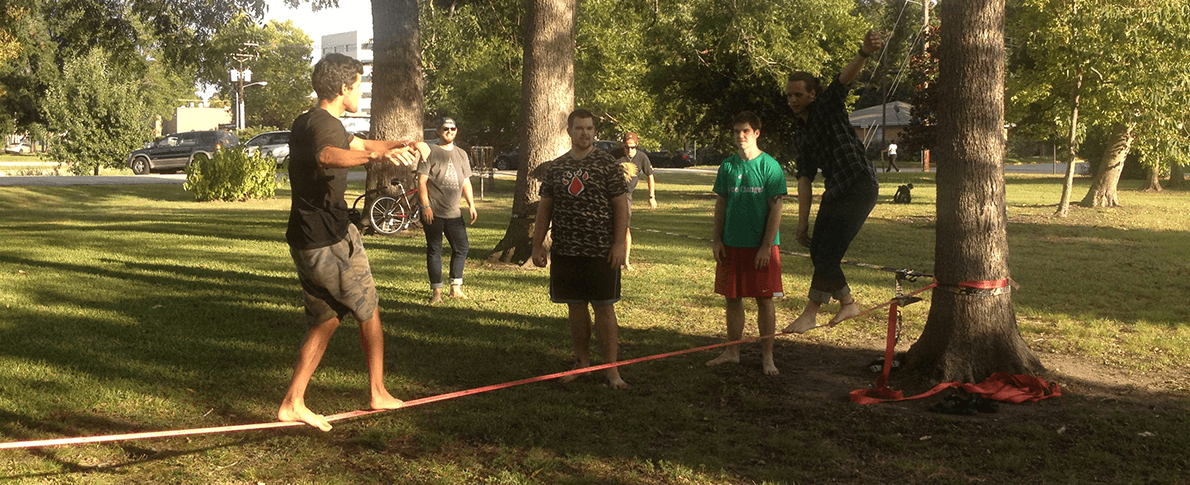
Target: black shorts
(580,279)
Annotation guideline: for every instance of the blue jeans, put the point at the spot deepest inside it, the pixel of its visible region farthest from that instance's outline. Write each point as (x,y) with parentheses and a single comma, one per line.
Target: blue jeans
(456,233)
(840,217)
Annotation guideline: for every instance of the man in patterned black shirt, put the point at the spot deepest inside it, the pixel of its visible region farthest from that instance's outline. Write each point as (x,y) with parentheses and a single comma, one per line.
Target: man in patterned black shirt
(584,199)
(824,140)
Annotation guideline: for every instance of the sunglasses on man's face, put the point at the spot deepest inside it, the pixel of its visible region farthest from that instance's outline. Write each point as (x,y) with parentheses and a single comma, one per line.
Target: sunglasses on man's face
(450,129)
(630,147)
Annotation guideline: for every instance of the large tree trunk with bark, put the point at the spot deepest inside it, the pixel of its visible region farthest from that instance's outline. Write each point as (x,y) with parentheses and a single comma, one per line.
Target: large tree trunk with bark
(1177,176)
(1104,189)
(969,336)
(547,97)
(396,89)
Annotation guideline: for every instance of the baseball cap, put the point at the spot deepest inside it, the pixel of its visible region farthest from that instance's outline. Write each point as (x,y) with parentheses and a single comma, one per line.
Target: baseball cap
(630,136)
(447,123)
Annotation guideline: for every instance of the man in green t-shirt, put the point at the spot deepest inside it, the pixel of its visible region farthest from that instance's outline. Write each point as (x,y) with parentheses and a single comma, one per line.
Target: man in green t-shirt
(750,186)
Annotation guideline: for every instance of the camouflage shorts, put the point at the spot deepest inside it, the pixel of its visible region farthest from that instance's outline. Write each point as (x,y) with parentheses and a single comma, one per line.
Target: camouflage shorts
(336,280)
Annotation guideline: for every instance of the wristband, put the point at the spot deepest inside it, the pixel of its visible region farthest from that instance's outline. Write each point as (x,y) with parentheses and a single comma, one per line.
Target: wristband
(863,54)
(425,207)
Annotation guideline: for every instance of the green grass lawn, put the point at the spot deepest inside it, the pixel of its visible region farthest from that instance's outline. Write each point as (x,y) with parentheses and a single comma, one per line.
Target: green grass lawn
(133,308)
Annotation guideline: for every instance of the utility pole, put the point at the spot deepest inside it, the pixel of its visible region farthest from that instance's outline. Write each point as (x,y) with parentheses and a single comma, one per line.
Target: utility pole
(241,76)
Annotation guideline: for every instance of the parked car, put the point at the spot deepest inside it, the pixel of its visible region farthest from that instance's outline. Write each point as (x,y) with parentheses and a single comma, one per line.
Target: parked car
(430,135)
(175,151)
(19,148)
(508,160)
(272,143)
(664,159)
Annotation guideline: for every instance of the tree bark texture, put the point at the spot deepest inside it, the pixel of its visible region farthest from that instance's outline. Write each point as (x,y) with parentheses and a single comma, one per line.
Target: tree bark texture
(968,337)
(547,97)
(397,84)
(1104,188)
(1154,176)
(1177,176)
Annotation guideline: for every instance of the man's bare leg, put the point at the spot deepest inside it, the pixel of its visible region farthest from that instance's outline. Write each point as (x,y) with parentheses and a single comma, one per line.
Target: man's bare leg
(293,406)
(436,296)
(628,250)
(456,291)
(580,334)
(371,337)
(766,320)
(847,309)
(806,320)
(607,330)
(735,331)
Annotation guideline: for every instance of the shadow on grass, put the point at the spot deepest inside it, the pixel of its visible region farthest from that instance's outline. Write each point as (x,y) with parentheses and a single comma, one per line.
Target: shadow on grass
(160,342)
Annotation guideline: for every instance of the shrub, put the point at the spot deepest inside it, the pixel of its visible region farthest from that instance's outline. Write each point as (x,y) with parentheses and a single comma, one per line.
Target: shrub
(232,175)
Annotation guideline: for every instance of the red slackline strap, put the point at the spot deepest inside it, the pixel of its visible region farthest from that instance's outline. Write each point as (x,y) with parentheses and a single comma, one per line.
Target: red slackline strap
(1000,386)
(357,413)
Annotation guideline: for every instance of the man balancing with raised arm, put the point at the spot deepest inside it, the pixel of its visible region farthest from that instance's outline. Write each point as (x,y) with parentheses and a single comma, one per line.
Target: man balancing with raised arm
(824,140)
(326,248)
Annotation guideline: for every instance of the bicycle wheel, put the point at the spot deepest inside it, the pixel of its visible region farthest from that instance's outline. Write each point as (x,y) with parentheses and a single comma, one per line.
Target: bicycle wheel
(387,216)
(408,215)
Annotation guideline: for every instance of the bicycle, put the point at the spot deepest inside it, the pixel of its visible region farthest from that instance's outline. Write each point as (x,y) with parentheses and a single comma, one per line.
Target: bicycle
(387,214)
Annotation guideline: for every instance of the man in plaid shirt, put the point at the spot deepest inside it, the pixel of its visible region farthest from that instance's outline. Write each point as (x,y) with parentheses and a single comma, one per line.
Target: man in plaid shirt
(824,140)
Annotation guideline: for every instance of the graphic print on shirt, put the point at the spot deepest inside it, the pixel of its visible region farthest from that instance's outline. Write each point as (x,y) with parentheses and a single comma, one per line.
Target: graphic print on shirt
(574,180)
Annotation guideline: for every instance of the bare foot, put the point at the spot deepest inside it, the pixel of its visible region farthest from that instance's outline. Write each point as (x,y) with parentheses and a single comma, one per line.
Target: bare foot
(385,401)
(804,323)
(292,413)
(456,291)
(436,298)
(727,357)
(846,311)
(614,380)
(770,369)
(571,377)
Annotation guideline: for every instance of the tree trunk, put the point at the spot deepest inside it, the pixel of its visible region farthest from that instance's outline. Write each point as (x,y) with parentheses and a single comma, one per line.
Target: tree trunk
(547,97)
(1177,176)
(1068,185)
(396,89)
(967,337)
(1154,185)
(1103,191)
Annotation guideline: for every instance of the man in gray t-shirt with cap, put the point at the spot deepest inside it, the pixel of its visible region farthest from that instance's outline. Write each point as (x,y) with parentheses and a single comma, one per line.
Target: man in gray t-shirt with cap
(443,179)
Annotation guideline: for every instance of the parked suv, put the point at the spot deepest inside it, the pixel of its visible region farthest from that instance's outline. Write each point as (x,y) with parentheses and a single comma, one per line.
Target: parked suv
(175,151)
(270,143)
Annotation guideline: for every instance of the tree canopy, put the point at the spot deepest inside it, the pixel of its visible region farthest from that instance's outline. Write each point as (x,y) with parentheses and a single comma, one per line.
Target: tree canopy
(280,53)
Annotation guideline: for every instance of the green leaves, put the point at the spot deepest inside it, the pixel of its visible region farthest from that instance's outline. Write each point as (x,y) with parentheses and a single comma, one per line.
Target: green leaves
(1131,54)
(99,111)
(232,175)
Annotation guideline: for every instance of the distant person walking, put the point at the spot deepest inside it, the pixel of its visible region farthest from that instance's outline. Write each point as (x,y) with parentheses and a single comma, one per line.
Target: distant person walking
(749,189)
(824,140)
(636,163)
(443,179)
(892,158)
(326,247)
(583,201)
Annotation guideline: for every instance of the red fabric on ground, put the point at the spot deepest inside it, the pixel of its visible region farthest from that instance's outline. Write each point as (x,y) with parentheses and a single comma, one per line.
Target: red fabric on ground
(1000,386)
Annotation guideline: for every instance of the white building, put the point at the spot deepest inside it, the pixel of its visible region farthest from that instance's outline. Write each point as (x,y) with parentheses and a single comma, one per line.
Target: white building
(350,44)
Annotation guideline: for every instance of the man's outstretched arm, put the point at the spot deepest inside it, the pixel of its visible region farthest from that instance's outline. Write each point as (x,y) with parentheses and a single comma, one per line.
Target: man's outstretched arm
(872,45)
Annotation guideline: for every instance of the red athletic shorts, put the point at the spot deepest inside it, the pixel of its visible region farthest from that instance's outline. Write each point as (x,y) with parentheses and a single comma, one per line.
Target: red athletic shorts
(737,276)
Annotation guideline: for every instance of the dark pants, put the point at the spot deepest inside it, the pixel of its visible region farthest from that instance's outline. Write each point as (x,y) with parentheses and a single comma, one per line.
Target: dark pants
(840,217)
(456,233)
